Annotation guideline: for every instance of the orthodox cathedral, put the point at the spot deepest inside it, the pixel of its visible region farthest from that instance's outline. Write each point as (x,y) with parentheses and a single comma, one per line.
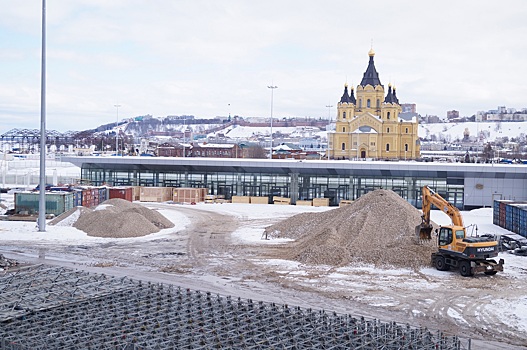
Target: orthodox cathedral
(369,125)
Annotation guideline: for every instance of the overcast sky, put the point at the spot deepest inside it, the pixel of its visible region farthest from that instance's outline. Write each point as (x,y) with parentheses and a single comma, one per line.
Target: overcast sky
(212,58)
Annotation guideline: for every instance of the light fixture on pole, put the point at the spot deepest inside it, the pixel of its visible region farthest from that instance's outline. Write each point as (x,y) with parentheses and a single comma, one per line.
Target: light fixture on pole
(272,87)
(329,112)
(117,130)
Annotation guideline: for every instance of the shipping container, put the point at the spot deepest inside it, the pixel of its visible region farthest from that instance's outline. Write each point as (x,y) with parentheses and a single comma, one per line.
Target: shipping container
(103,194)
(125,193)
(56,202)
(511,215)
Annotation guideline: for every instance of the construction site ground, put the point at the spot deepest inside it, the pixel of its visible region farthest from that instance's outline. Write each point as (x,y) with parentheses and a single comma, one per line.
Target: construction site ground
(217,248)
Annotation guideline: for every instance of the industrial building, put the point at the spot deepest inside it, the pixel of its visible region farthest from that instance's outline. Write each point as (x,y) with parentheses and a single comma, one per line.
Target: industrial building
(466,185)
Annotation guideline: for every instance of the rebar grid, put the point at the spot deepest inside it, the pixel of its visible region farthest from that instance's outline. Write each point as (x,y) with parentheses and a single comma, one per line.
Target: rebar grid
(157,316)
(41,287)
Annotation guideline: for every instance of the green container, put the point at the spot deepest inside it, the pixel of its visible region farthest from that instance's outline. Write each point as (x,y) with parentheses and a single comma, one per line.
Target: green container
(56,202)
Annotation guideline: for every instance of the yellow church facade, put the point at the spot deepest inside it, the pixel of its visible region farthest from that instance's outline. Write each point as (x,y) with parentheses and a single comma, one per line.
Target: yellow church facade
(370,124)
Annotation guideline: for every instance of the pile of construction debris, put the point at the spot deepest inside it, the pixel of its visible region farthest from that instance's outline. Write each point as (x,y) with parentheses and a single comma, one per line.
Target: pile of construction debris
(378,228)
(6,263)
(114,218)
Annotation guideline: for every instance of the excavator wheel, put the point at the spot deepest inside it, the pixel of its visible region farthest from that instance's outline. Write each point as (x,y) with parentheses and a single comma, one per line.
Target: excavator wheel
(441,264)
(465,269)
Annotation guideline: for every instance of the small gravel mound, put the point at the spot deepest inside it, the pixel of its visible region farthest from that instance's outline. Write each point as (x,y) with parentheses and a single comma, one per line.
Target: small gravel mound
(115,218)
(378,228)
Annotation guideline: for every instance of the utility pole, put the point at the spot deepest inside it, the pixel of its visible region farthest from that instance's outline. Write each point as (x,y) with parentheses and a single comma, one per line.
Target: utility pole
(272,87)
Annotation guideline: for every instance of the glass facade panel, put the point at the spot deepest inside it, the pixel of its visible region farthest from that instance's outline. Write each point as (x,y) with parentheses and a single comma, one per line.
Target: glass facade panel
(304,186)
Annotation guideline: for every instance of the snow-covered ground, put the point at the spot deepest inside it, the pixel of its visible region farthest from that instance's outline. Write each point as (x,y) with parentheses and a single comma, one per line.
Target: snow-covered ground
(510,310)
(488,131)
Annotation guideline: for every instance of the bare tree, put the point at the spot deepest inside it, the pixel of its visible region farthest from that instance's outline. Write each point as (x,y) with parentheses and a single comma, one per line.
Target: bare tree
(256,151)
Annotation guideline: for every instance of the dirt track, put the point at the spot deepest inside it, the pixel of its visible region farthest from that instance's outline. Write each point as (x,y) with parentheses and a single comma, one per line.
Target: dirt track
(204,256)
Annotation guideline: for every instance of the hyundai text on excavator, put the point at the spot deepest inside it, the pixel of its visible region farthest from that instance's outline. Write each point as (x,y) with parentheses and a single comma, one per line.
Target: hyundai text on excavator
(455,250)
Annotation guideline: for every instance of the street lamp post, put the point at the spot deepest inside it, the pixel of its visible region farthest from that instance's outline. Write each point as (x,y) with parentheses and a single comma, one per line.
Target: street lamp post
(329,112)
(42,177)
(117,130)
(329,122)
(272,87)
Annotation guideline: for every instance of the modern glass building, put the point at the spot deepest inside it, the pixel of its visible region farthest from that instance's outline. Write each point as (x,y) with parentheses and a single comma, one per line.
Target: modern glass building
(464,185)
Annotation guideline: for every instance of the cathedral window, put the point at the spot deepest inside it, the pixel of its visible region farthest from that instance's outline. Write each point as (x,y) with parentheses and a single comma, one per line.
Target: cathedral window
(406,147)
(368,103)
(387,147)
(343,129)
(360,102)
(378,103)
(344,115)
(343,146)
(407,130)
(387,130)
(388,115)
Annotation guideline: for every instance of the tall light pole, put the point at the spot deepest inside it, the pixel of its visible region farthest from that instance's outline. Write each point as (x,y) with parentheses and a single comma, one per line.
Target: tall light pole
(272,87)
(42,177)
(329,112)
(117,130)
(329,122)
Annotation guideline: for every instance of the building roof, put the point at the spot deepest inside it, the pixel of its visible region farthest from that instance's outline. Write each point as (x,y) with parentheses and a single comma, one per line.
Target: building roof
(345,97)
(214,145)
(371,77)
(348,98)
(390,96)
(408,116)
(324,167)
(287,147)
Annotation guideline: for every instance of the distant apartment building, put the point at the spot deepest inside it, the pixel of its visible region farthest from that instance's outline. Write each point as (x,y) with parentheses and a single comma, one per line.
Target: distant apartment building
(453,114)
(502,114)
(429,119)
(408,108)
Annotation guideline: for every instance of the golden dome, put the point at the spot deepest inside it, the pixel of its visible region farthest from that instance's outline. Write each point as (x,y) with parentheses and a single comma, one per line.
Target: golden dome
(371,53)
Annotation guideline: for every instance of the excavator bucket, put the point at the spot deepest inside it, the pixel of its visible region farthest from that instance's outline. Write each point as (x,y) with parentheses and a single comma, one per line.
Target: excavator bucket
(423,232)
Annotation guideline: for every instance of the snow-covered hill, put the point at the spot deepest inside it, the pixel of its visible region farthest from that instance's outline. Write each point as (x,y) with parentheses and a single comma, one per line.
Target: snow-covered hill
(487,131)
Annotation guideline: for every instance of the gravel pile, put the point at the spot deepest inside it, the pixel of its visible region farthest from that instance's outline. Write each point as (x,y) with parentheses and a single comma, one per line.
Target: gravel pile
(378,228)
(115,218)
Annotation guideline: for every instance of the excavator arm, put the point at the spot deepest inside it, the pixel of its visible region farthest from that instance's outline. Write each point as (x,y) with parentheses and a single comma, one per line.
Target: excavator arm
(424,230)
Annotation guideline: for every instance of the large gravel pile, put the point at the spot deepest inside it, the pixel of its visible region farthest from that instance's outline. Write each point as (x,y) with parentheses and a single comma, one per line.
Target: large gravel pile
(378,228)
(115,218)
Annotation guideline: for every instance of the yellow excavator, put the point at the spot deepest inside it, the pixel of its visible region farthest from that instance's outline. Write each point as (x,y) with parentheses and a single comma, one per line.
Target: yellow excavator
(455,250)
